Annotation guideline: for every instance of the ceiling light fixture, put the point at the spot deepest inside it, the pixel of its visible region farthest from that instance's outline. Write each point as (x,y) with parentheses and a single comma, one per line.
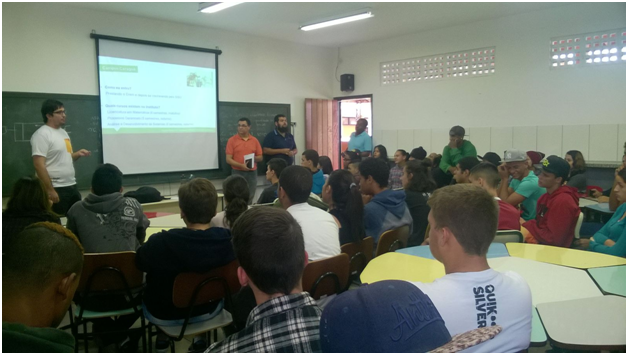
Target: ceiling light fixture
(211,7)
(363,14)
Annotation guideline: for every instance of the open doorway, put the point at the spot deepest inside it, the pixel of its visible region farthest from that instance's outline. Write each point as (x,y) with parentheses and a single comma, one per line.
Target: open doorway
(350,110)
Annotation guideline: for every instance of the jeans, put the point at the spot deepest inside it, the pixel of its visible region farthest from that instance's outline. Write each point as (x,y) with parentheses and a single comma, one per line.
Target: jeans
(68,195)
(251,179)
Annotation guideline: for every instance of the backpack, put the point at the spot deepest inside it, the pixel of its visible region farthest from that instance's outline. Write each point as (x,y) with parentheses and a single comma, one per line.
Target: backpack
(145,194)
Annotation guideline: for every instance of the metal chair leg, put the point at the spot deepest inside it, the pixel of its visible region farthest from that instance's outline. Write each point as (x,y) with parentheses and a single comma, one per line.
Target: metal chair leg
(85,336)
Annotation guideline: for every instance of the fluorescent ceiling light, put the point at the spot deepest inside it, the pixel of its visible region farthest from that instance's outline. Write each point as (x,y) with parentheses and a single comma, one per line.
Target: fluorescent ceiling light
(210,8)
(360,16)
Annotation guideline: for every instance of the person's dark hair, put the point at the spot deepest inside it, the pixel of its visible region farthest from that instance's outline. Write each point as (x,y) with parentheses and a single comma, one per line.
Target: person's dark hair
(48,107)
(383,153)
(248,122)
(470,212)
(277,165)
(376,168)
(325,164)
(107,179)
(421,181)
(488,172)
(296,181)
(348,201)
(40,253)
(622,174)
(405,154)
(418,153)
(278,116)
(353,156)
(436,161)
(579,165)
(311,155)
(268,243)
(198,200)
(236,191)
(467,163)
(28,195)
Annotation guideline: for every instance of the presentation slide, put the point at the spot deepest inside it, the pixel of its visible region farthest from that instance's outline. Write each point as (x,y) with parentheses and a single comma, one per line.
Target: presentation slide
(158,108)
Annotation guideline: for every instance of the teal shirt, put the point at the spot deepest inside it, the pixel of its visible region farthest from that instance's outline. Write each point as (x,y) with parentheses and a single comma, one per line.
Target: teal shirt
(361,142)
(451,156)
(530,189)
(18,338)
(615,230)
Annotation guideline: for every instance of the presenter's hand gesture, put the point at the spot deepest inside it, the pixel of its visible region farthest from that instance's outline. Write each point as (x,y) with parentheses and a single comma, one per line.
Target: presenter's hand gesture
(84,153)
(53,196)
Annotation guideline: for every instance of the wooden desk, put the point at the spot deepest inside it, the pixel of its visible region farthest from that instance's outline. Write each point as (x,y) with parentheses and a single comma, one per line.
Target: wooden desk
(593,324)
(172,205)
(610,279)
(563,256)
(171,221)
(398,266)
(495,250)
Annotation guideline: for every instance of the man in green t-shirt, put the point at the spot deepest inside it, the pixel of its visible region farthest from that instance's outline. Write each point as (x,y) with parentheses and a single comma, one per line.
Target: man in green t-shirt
(457,149)
(524,188)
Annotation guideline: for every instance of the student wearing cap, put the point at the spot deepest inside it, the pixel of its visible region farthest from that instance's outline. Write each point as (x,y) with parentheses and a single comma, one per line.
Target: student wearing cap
(418,154)
(463,220)
(457,149)
(361,140)
(557,210)
(534,161)
(463,169)
(524,188)
(492,158)
(392,317)
(486,176)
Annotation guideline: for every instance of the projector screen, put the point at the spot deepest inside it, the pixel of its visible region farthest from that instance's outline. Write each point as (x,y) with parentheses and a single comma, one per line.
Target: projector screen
(158,107)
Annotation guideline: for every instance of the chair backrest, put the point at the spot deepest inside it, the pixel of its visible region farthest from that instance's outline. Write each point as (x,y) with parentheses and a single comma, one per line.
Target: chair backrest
(508,236)
(360,254)
(392,240)
(578,225)
(326,276)
(105,272)
(193,289)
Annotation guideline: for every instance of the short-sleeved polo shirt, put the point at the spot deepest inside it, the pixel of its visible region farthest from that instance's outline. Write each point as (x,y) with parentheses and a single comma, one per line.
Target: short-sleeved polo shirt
(361,142)
(238,147)
(530,189)
(274,140)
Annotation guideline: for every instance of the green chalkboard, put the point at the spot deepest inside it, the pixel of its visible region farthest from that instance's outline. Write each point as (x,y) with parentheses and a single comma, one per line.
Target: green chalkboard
(21,117)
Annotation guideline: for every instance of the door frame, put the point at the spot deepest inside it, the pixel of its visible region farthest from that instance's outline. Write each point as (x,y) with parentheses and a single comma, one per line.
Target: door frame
(339,118)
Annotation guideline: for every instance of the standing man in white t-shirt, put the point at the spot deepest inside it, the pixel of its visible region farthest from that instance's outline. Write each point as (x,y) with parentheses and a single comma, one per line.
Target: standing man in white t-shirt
(53,157)
(463,220)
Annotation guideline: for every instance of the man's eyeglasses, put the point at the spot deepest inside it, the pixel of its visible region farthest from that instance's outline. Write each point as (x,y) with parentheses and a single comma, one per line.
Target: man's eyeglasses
(243,125)
(60,112)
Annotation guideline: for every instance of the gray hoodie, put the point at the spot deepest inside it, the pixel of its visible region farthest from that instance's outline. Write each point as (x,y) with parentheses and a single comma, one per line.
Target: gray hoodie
(108,223)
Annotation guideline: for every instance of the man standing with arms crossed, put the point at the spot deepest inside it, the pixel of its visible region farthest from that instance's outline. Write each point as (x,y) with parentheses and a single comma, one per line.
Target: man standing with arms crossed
(53,157)
(240,145)
(280,143)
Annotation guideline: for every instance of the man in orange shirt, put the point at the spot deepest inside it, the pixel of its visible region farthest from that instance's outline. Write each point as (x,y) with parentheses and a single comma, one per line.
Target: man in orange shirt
(238,147)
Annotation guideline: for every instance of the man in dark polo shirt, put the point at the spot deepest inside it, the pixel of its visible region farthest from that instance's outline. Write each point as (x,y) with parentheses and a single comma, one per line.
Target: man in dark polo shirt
(280,143)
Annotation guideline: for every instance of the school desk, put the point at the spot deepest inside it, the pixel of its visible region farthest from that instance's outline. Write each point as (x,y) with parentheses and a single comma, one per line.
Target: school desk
(563,256)
(172,205)
(398,266)
(152,230)
(611,279)
(587,324)
(538,337)
(583,202)
(495,250)
(171,221)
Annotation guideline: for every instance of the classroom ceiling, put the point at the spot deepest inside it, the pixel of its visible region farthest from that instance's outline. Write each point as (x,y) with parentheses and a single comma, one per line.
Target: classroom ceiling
(281,21)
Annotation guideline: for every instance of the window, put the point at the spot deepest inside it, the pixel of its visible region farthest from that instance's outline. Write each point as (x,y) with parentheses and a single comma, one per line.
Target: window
(588,49)
(470,63)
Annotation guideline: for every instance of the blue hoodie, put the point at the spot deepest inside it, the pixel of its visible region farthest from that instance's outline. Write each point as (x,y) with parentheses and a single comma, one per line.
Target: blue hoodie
(318,180)
(387,210)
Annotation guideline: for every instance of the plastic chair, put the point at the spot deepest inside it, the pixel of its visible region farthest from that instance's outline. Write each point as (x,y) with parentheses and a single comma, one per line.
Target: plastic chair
(392,240)
(326,277)
(193,289)
(578,225)
(107,274)
(360,254)
(508,236)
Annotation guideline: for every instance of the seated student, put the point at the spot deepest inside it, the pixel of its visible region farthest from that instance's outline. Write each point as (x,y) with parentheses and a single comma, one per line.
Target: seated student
(386,209)
(578,166)
(380,152)
(463,220)
(273,170)
(524,188)
(391,316)
(105,221)
(418,186)
(324,163)
(27,204)
(41,269)
(534,161)
(196,248)
(557,210)
(492,158)
(349,157)
(343,196)
(611,239)
(309,160)
(354,169)
(269,244)
(394,179)
(418,154)
(463,169)
(320,230)
(236,191)
(486,176)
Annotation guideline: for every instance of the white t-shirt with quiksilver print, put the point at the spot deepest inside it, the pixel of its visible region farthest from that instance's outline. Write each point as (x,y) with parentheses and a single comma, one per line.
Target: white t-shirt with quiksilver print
(54,145)
(469,300)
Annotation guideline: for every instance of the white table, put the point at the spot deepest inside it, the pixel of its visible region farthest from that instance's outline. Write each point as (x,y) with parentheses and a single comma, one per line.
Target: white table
(590,324)
(171,221)
(586,202)
(172,205)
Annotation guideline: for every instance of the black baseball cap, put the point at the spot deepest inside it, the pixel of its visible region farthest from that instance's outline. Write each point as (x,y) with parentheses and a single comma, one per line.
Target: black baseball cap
(557,166)
(492,158)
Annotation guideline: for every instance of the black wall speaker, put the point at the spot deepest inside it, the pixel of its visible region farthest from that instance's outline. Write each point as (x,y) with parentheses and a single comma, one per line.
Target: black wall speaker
(347,82)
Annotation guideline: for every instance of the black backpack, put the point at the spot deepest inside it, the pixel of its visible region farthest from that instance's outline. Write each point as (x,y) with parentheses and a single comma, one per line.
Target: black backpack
(145,194)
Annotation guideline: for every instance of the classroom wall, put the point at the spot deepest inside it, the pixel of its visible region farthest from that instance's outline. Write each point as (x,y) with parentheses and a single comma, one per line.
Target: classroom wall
(46,48)
(522,92)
